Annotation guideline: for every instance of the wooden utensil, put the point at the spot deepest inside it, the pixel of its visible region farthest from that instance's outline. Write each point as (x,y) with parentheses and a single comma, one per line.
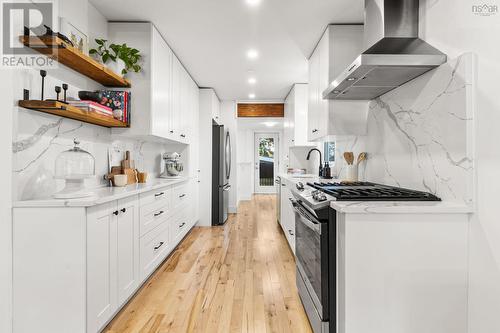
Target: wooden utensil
(349,157)
(361,157)
(126,161)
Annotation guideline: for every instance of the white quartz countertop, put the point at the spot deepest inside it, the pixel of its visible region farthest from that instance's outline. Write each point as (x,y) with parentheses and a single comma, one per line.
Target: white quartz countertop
(102,195)
(400,207)
(386,207)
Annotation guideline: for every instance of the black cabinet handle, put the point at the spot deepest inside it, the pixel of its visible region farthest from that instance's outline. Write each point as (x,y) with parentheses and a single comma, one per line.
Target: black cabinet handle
(115,212)
(290,232)
(158,246)
(123,210)
(159,213)
(182,224)
(171,131)
(182,196)
(159,194)
(183,135)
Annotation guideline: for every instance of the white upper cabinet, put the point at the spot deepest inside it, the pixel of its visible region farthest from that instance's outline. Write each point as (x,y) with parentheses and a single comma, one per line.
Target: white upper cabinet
(296,115)
(339,46)
(162,92)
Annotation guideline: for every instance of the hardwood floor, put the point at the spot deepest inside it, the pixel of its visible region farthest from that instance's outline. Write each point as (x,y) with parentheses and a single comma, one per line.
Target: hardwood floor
(235,278)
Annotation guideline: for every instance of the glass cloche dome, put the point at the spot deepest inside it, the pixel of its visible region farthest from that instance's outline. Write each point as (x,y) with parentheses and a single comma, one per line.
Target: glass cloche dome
(74,165)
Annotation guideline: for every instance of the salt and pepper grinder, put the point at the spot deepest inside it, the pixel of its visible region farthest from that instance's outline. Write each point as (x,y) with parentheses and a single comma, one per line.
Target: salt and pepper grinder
(65,88)
(58,91)
(43,74)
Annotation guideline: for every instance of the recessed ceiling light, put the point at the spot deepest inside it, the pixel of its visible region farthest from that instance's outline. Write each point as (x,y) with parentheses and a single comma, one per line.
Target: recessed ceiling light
(252,80)
(251,96)
(252,54)
(253,2)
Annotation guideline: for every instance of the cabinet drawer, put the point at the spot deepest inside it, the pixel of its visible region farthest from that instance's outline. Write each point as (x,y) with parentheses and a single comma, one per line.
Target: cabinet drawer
(179,225)
(180,195)
(153,215)
(159,197)
(155,246)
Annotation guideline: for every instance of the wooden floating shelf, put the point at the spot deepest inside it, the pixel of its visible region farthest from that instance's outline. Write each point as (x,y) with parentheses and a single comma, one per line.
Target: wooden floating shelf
(57,49)
(72,112)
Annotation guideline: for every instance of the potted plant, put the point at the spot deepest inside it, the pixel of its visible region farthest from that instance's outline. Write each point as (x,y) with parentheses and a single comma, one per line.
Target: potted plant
(121,58)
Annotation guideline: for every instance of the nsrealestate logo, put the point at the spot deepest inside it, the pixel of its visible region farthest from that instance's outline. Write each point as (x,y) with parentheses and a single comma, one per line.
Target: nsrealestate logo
(20,20)
(485,10)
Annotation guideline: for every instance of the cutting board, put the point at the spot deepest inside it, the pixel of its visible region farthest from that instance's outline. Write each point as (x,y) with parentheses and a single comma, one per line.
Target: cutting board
(131,175)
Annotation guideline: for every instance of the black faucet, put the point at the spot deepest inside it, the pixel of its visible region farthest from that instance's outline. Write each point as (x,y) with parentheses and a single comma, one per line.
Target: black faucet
(320,160)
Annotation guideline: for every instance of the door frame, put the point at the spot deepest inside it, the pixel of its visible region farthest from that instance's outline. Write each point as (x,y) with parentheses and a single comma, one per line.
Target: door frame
(257,189)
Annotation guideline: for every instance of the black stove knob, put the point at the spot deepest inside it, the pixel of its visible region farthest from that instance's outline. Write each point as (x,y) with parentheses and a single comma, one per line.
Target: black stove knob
(300,186)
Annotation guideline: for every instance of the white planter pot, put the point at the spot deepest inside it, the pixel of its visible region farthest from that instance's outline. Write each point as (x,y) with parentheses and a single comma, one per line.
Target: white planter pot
(116,66)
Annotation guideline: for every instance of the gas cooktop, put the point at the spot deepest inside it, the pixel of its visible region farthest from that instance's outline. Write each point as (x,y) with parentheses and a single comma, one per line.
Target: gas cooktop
(366,191)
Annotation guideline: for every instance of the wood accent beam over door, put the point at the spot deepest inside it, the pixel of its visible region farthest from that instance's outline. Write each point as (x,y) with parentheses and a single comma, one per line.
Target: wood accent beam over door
(261,110)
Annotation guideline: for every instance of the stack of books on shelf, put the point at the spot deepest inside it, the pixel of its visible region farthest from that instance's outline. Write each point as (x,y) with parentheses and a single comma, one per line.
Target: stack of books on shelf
(118,100)
(93,107)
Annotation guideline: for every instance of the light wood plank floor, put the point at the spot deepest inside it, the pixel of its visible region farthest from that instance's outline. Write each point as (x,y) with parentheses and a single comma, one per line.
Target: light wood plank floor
(235,278)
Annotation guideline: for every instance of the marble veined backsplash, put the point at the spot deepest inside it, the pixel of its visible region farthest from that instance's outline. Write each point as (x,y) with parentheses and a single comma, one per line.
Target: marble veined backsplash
(420,135)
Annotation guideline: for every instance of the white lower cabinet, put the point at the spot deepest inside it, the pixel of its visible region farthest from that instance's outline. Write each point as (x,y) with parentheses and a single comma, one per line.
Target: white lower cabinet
(287,218)
(112,259)
(91,260)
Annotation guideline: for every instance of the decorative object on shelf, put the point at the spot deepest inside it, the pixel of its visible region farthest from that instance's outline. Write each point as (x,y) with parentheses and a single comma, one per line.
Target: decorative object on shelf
(58,91)
(26,94)
(362,157)
(74,166)
(43,74)
(65,88)
(78,38)
(94,96)
(50,32)
(172,165)
(117,100)
(122,58)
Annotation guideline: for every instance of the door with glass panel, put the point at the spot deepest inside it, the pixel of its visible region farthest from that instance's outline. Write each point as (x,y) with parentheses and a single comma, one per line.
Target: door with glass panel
(266,162)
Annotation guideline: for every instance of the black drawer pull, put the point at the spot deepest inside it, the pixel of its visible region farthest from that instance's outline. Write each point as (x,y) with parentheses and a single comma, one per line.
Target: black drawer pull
(182,224)
(159,213)
(182,196)
(123,210)
(159,194)
(158,246)
(290,232)
(183,135)
(116,212)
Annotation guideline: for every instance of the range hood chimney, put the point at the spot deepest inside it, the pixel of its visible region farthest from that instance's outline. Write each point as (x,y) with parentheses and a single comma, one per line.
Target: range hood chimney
(394,54)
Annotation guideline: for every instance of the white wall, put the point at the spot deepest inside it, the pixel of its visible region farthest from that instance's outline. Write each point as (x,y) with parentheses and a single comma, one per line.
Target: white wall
(452,27)
(229,120)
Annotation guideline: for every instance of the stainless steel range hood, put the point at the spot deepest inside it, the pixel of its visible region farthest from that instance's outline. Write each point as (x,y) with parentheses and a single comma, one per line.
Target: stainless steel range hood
(394,55)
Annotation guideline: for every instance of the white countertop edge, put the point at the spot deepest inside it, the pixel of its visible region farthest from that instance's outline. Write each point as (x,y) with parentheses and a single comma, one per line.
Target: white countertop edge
(400,207)
(102,195)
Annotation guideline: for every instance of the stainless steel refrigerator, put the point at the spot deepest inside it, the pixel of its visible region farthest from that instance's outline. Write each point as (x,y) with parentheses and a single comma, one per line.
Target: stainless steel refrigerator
(221,171)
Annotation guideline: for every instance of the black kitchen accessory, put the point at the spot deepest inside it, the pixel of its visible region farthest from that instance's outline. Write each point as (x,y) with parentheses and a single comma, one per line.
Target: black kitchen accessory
(43,74)
(94,96)
(50,32)
(65,88)
(58,91)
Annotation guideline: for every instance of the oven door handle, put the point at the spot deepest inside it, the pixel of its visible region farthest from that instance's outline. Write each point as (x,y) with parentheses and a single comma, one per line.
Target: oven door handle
(306,220)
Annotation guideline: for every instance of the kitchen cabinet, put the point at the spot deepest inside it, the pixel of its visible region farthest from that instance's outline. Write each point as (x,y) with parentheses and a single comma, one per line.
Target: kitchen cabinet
(287,219)
(162,104)
(89,260)
(296,116)
(337,48)
(112,258)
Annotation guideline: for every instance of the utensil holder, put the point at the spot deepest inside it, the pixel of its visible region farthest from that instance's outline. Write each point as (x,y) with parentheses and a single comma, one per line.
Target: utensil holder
(352,173)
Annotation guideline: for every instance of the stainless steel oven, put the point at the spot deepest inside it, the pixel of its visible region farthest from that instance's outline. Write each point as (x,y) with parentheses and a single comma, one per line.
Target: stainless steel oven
(315,260)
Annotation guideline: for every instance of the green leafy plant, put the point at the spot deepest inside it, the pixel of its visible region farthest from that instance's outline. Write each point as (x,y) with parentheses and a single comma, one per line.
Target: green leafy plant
(128,55)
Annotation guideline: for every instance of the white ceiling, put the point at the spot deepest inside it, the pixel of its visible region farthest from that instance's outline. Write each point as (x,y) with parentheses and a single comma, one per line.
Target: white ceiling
(211,37)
